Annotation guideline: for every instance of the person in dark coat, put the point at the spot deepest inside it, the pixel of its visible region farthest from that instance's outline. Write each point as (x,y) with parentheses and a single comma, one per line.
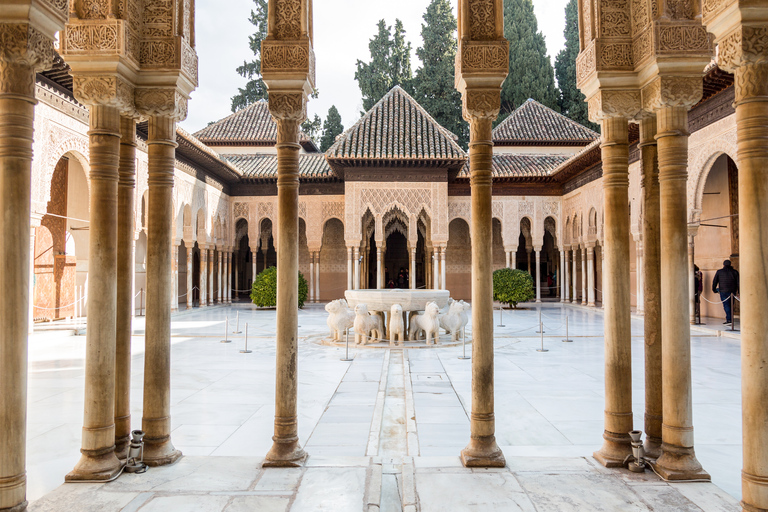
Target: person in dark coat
(726,282)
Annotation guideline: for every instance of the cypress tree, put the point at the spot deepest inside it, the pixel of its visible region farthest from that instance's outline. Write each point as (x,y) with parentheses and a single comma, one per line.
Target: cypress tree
(255,89)
(390,64)
(572,102)
(530,70)
(434,84)
(331,128)
(312,127)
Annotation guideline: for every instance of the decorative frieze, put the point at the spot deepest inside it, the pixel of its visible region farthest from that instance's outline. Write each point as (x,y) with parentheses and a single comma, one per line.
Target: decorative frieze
(484,55)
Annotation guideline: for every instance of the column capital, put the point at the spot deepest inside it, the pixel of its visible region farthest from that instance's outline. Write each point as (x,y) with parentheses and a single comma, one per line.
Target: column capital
(672,91)
(167,102)
(25,49)
(614,103)
(110,90)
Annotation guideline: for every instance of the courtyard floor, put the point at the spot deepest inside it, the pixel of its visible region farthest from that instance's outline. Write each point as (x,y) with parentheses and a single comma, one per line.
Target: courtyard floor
(385,429)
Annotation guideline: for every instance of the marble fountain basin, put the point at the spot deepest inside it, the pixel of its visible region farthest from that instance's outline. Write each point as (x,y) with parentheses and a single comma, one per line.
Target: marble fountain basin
(410,300)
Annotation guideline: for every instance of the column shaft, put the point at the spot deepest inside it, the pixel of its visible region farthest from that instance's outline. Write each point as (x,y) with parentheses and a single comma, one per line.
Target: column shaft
(98,460)
(508,255)
(651,285)
(16,128)
(412,275)
(677,460)
(436,268)
(286,450)
(618,363)
(691,279)
(350,270)
(482,450)
(566,278)
(317,276)
(591,276)
(639,275)
(563,265)
(311,277)
(190,267)
(357,267)
(575,299)
(442,267)
(379,279)
(203,291)
(584,296)
(514,259)
(156,422)
(124,300)
(752,127)
(538,277)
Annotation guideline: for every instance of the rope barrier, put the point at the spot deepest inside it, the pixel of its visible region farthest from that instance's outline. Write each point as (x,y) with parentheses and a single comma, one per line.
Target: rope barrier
(61,307)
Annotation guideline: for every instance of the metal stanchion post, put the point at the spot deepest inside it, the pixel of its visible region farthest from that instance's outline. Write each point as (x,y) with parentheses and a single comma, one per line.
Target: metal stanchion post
(567,339)
(226,331)
(733,313)
(542,349)
(541,325)
(246,351)
(346,338)
(237,325)
(464,343)
(501,323)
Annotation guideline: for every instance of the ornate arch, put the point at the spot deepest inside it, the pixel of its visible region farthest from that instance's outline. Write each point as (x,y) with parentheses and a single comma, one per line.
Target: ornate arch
(78,147)
(702,166)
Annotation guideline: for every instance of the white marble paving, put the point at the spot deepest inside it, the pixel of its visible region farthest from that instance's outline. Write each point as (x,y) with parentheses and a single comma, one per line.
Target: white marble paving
(549,420)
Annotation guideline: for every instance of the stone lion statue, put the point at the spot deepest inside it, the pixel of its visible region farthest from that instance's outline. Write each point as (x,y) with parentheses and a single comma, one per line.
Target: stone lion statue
(366,325)
(340,318)
(454,321)
(426,322)
(396,325)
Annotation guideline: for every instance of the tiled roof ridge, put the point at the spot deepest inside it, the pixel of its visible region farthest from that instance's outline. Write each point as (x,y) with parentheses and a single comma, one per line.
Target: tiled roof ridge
(378,118)
(223,119)
(530,104)
(207,150)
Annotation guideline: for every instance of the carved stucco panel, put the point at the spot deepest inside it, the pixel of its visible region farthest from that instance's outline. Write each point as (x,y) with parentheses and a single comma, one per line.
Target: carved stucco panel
(704,147)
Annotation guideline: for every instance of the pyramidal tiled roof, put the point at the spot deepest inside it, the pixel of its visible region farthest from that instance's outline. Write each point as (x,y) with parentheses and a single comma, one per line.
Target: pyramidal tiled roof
(312,166)
(522,165)
(396,128)
(534,124)
(251,125)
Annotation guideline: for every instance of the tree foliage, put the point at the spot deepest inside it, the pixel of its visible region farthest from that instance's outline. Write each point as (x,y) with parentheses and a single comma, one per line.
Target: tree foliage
(572,101)
(434,85)
(264,289)
(530,70)
(512,286)
(312,127)
(255,89)
(331,128)
(390,64)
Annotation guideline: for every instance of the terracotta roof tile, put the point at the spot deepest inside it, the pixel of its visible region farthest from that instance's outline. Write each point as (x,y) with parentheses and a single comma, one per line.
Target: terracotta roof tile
(521,166)
(311,166)
(396,128)
(251,125)
(532,123)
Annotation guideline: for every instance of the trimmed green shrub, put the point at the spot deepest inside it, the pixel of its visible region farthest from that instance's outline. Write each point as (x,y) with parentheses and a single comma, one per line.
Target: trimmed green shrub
(264,289)
(512,286)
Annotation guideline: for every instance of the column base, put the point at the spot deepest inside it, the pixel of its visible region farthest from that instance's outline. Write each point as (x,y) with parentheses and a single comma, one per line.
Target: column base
(754,490)
(21,507)
(615,449)
(652,447)
(591,304)
(99,465)
(160,452)
(121,447)
(678,463)
(285,453)
(483,452)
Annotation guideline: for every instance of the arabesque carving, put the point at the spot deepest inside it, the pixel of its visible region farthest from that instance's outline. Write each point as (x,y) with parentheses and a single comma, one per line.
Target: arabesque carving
(616,55)
(614,103)
(157,101)
(288,106)
(685,38)
(21,43)
(92,37)
(482,20)
(485,55)
(481,103)
(104,90)
(280,55)
(288,19)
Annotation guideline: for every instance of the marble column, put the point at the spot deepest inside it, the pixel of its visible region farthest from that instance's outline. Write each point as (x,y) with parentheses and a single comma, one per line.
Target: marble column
(584,297)
(220,277)
(482,450)
(98,460)
(591,275)
(126,186)
(211,276)
(752,130)
(508,255)
(639,274)
(691,276)
(514,259)
(174,297)
(537,250)
(435,268)
(575,299)
(412,275)
(156,422)
(311,277)
(25,49)
(350,270)
(652,285)
(529,257)
(378,267)
(442,267)
(357,267)
(190,266)
(618,361)
(678,460)
(566,278)
(286,450)
(317,276)
(203,291)
(561,280)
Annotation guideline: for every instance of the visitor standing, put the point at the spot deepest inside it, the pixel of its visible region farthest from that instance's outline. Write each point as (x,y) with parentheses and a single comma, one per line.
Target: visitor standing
(726,283)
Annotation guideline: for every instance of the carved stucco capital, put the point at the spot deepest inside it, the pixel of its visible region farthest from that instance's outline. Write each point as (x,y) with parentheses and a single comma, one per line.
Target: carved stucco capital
(744,52)
(481,103)
(107,90)
(161,101)
(23,50)
(288,106)
(614,103)
(672,91)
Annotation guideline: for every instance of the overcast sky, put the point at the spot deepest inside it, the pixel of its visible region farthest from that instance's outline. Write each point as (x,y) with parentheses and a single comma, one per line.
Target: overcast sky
(343,29)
